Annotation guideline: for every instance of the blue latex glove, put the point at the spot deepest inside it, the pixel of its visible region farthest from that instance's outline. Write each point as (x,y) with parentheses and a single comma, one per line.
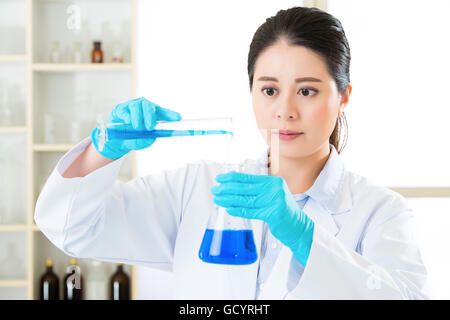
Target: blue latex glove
(142,114)
(267,198)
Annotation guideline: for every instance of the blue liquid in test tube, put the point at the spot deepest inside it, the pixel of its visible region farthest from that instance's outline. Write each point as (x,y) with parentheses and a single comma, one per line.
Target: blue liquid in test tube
(190,127)
(128,134)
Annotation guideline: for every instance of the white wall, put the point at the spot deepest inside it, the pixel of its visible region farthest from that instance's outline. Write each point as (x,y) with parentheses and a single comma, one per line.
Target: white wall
(399,110)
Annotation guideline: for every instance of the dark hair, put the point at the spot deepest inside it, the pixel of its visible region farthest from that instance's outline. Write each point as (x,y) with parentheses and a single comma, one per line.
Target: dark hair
(316,30)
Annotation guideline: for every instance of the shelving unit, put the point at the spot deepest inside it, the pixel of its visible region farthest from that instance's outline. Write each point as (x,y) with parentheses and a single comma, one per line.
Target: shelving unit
(64,67)
(70,95)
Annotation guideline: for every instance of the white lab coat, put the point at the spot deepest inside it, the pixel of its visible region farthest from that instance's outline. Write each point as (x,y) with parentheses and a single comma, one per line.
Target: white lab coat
(363,244)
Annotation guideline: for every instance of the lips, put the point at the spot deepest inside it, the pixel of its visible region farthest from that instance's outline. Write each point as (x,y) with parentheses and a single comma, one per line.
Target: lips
(289,132)
(289,135)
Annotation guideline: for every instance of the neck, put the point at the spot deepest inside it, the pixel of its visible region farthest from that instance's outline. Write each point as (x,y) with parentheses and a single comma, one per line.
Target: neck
(300,173)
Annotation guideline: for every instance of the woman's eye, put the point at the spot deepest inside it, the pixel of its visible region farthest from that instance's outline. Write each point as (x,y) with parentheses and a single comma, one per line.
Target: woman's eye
(269,91)
(307,92)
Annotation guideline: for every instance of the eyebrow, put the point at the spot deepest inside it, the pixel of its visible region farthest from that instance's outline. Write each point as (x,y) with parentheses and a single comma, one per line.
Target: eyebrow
(298,80)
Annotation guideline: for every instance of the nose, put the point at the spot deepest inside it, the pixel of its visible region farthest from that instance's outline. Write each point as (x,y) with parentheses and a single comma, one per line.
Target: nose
(287,111)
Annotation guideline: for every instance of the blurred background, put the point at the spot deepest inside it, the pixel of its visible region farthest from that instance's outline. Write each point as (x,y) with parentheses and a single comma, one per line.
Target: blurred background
(64,62)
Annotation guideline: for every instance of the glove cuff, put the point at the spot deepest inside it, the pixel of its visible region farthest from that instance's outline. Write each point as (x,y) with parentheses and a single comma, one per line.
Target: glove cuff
(107,151)
(303,246)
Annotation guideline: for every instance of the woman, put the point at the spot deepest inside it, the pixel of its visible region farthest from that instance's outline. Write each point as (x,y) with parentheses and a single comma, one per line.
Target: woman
(322,232)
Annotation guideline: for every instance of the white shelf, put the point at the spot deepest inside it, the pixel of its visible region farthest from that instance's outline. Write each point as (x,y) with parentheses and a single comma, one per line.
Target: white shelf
(13,57)
(13,129)
(13,283)
(65,67)
(13,227)
(52,147)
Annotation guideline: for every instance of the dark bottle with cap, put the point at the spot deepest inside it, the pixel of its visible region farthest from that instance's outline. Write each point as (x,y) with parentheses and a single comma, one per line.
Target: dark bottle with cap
(73,282)
(97,53)
(49,283)
(120,284)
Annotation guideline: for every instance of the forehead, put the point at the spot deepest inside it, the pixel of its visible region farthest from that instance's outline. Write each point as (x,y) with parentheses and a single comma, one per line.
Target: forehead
(290,61)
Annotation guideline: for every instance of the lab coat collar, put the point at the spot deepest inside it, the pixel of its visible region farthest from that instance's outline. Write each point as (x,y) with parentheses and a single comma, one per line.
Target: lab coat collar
(329,188)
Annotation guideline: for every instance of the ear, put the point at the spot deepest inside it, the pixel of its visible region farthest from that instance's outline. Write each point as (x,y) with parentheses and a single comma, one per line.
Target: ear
(344,99)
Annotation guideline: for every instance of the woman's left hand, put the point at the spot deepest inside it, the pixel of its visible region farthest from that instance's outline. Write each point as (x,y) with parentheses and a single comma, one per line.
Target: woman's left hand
(267,198)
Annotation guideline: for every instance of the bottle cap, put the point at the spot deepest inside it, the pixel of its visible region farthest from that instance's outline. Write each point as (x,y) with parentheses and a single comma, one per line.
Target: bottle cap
(49,262)
(119,264)
(72,261)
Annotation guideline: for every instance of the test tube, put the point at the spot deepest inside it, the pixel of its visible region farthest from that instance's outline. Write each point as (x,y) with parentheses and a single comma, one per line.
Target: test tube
(187,127)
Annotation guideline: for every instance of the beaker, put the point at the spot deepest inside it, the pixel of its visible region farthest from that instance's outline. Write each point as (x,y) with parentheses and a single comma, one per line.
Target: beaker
(228,239)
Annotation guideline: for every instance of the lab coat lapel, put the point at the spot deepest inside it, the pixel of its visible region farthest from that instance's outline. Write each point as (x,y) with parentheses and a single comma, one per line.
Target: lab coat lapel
(320,215)
(275,286)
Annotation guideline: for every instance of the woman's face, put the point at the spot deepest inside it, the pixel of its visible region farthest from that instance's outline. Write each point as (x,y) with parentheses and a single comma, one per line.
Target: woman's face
(292,90)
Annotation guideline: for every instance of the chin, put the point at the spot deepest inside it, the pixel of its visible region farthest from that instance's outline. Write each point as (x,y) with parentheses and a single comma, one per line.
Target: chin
(292,150)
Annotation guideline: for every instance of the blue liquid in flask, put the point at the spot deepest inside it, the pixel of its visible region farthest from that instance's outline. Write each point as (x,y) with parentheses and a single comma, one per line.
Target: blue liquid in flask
(235,247)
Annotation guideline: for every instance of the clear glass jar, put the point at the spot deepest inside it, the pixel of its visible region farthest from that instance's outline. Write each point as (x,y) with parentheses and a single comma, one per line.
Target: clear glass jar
(78,53)
(55,53)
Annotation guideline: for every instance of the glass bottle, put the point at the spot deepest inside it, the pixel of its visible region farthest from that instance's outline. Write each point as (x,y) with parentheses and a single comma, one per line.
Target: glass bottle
(228,239)
(117,53)
(73,282)
(96,282)
(120,284)
(49,283)
(78,53)
(97,53)
(55,53)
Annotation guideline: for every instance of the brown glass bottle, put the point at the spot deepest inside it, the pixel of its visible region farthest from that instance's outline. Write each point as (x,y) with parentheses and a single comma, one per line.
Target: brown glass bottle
(49,283)
(97,53)
(120,284)
(72,280)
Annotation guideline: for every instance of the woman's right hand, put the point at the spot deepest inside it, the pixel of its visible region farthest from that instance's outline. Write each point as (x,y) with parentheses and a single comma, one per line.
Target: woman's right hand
(142,114)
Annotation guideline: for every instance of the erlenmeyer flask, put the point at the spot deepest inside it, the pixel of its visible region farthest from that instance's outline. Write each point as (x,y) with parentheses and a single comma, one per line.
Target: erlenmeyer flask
(228,239)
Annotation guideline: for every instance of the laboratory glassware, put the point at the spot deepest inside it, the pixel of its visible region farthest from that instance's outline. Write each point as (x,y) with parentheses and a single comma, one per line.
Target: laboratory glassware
(73,282)
(78,53)
(97,53)
(55,53)
(189,127)
(228,239)
(119,284)
(117,53)
(49,283)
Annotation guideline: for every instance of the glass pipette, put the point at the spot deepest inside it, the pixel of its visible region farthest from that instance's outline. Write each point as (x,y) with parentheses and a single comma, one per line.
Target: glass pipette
(188,127)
